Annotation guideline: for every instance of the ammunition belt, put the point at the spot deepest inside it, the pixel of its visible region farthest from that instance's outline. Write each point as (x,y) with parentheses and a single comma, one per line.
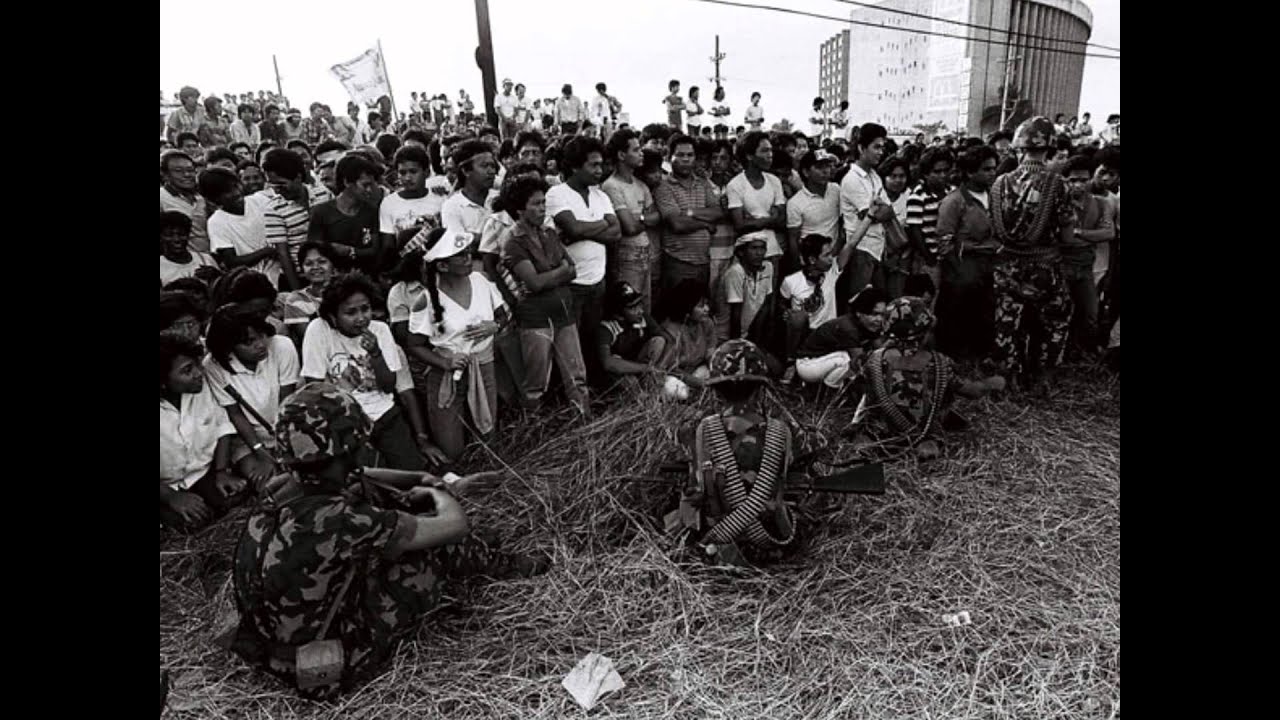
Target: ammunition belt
(913,432)
(745,508)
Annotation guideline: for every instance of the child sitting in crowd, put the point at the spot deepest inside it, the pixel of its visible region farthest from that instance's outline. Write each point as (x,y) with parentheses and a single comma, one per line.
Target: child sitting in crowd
(196,482)
(686,318)
(830,352)
(345,346)
(177,259)
(250,370)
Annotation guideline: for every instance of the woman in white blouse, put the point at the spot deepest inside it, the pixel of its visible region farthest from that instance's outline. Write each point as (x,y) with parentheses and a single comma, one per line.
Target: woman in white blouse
(451,329)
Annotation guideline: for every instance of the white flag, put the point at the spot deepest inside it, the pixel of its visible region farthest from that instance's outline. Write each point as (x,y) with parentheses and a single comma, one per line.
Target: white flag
(365,77)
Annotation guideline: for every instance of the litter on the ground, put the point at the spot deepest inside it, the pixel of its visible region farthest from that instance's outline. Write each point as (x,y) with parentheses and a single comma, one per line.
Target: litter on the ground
(592,678)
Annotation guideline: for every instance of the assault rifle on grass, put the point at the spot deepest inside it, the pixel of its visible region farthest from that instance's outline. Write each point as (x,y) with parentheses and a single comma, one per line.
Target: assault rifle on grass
(699,501)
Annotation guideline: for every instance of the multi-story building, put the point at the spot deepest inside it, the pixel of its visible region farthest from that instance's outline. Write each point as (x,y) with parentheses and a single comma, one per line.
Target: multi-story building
(903,79)
(833,69)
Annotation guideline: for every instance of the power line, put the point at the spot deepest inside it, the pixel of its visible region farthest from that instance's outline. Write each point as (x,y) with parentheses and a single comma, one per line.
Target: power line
(847,21)
(987,28)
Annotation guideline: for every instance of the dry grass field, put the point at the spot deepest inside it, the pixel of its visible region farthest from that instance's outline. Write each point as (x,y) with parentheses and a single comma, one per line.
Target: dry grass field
(1019,524)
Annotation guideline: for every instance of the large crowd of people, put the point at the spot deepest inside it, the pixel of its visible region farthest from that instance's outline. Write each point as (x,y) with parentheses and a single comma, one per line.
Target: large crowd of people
(409,277)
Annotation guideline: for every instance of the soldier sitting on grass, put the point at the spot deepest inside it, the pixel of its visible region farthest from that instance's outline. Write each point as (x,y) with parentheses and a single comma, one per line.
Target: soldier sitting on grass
(910,386)
(349,554)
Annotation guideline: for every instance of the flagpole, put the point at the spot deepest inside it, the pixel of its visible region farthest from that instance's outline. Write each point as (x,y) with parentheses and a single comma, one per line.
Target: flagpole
(279,87)
(390,92)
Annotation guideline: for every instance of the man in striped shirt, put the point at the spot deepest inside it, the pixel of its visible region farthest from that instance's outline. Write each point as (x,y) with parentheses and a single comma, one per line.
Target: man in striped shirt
(288,207)
(922,209)
(690,210)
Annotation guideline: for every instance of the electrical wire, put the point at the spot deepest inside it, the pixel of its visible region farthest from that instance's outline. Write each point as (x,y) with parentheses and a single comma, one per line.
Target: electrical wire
(847,21)
(987,28)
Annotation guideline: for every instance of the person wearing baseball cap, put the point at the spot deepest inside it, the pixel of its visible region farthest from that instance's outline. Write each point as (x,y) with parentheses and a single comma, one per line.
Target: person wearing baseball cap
(505,103)
(630,342)
(451,329)
(815,210)
(331,522)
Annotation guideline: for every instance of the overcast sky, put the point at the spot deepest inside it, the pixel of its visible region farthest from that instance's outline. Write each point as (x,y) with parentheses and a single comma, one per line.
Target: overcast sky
(634,47)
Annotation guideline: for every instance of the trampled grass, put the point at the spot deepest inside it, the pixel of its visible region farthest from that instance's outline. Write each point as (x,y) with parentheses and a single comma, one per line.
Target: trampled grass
(1019,524)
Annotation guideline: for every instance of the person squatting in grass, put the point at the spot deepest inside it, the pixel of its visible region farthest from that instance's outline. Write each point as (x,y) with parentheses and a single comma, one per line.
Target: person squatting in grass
(349,553)
(832,353)
(910,387)
(630,342)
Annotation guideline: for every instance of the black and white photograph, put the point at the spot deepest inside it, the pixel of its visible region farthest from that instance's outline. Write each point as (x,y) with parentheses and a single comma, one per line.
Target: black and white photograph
(734,359)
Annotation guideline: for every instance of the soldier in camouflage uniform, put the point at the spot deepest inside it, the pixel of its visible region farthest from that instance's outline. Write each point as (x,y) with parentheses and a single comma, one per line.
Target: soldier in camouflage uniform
(909,386)
(1032,217)
(742,458)
(330,540)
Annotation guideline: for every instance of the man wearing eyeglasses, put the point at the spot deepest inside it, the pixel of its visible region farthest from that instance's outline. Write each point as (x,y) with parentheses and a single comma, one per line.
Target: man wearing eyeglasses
(178,193)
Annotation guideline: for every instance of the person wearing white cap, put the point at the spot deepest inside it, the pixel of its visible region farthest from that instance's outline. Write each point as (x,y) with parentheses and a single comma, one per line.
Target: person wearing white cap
(451,328)
(505,103)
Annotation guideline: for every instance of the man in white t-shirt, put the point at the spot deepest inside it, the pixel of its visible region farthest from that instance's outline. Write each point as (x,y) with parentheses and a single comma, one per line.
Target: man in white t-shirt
(810,293)
(468,208)
(587,222)
(861,195)
(815,210)
(237,227)
(413,207)
(505,105)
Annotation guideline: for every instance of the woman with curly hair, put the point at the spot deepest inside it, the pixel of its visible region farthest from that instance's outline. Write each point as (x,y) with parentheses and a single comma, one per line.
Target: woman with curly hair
(347,347)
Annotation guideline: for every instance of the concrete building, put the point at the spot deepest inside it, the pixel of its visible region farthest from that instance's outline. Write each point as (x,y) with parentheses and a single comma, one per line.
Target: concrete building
(902,79)
(833,70)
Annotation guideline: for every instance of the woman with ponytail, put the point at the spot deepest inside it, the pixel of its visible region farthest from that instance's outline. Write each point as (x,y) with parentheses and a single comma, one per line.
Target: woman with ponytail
(451,331)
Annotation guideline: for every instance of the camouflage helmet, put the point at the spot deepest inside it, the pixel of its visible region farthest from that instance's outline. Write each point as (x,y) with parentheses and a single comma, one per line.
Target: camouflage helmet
(320,422)
(907,318)
(738,360)
(1034,134)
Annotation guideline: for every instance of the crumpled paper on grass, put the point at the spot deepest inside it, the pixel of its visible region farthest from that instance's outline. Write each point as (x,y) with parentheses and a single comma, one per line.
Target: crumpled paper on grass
(592,678)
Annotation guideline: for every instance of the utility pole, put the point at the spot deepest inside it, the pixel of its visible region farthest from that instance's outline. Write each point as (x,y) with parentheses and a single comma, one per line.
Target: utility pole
(716,59)
(484,59)
(279,87)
